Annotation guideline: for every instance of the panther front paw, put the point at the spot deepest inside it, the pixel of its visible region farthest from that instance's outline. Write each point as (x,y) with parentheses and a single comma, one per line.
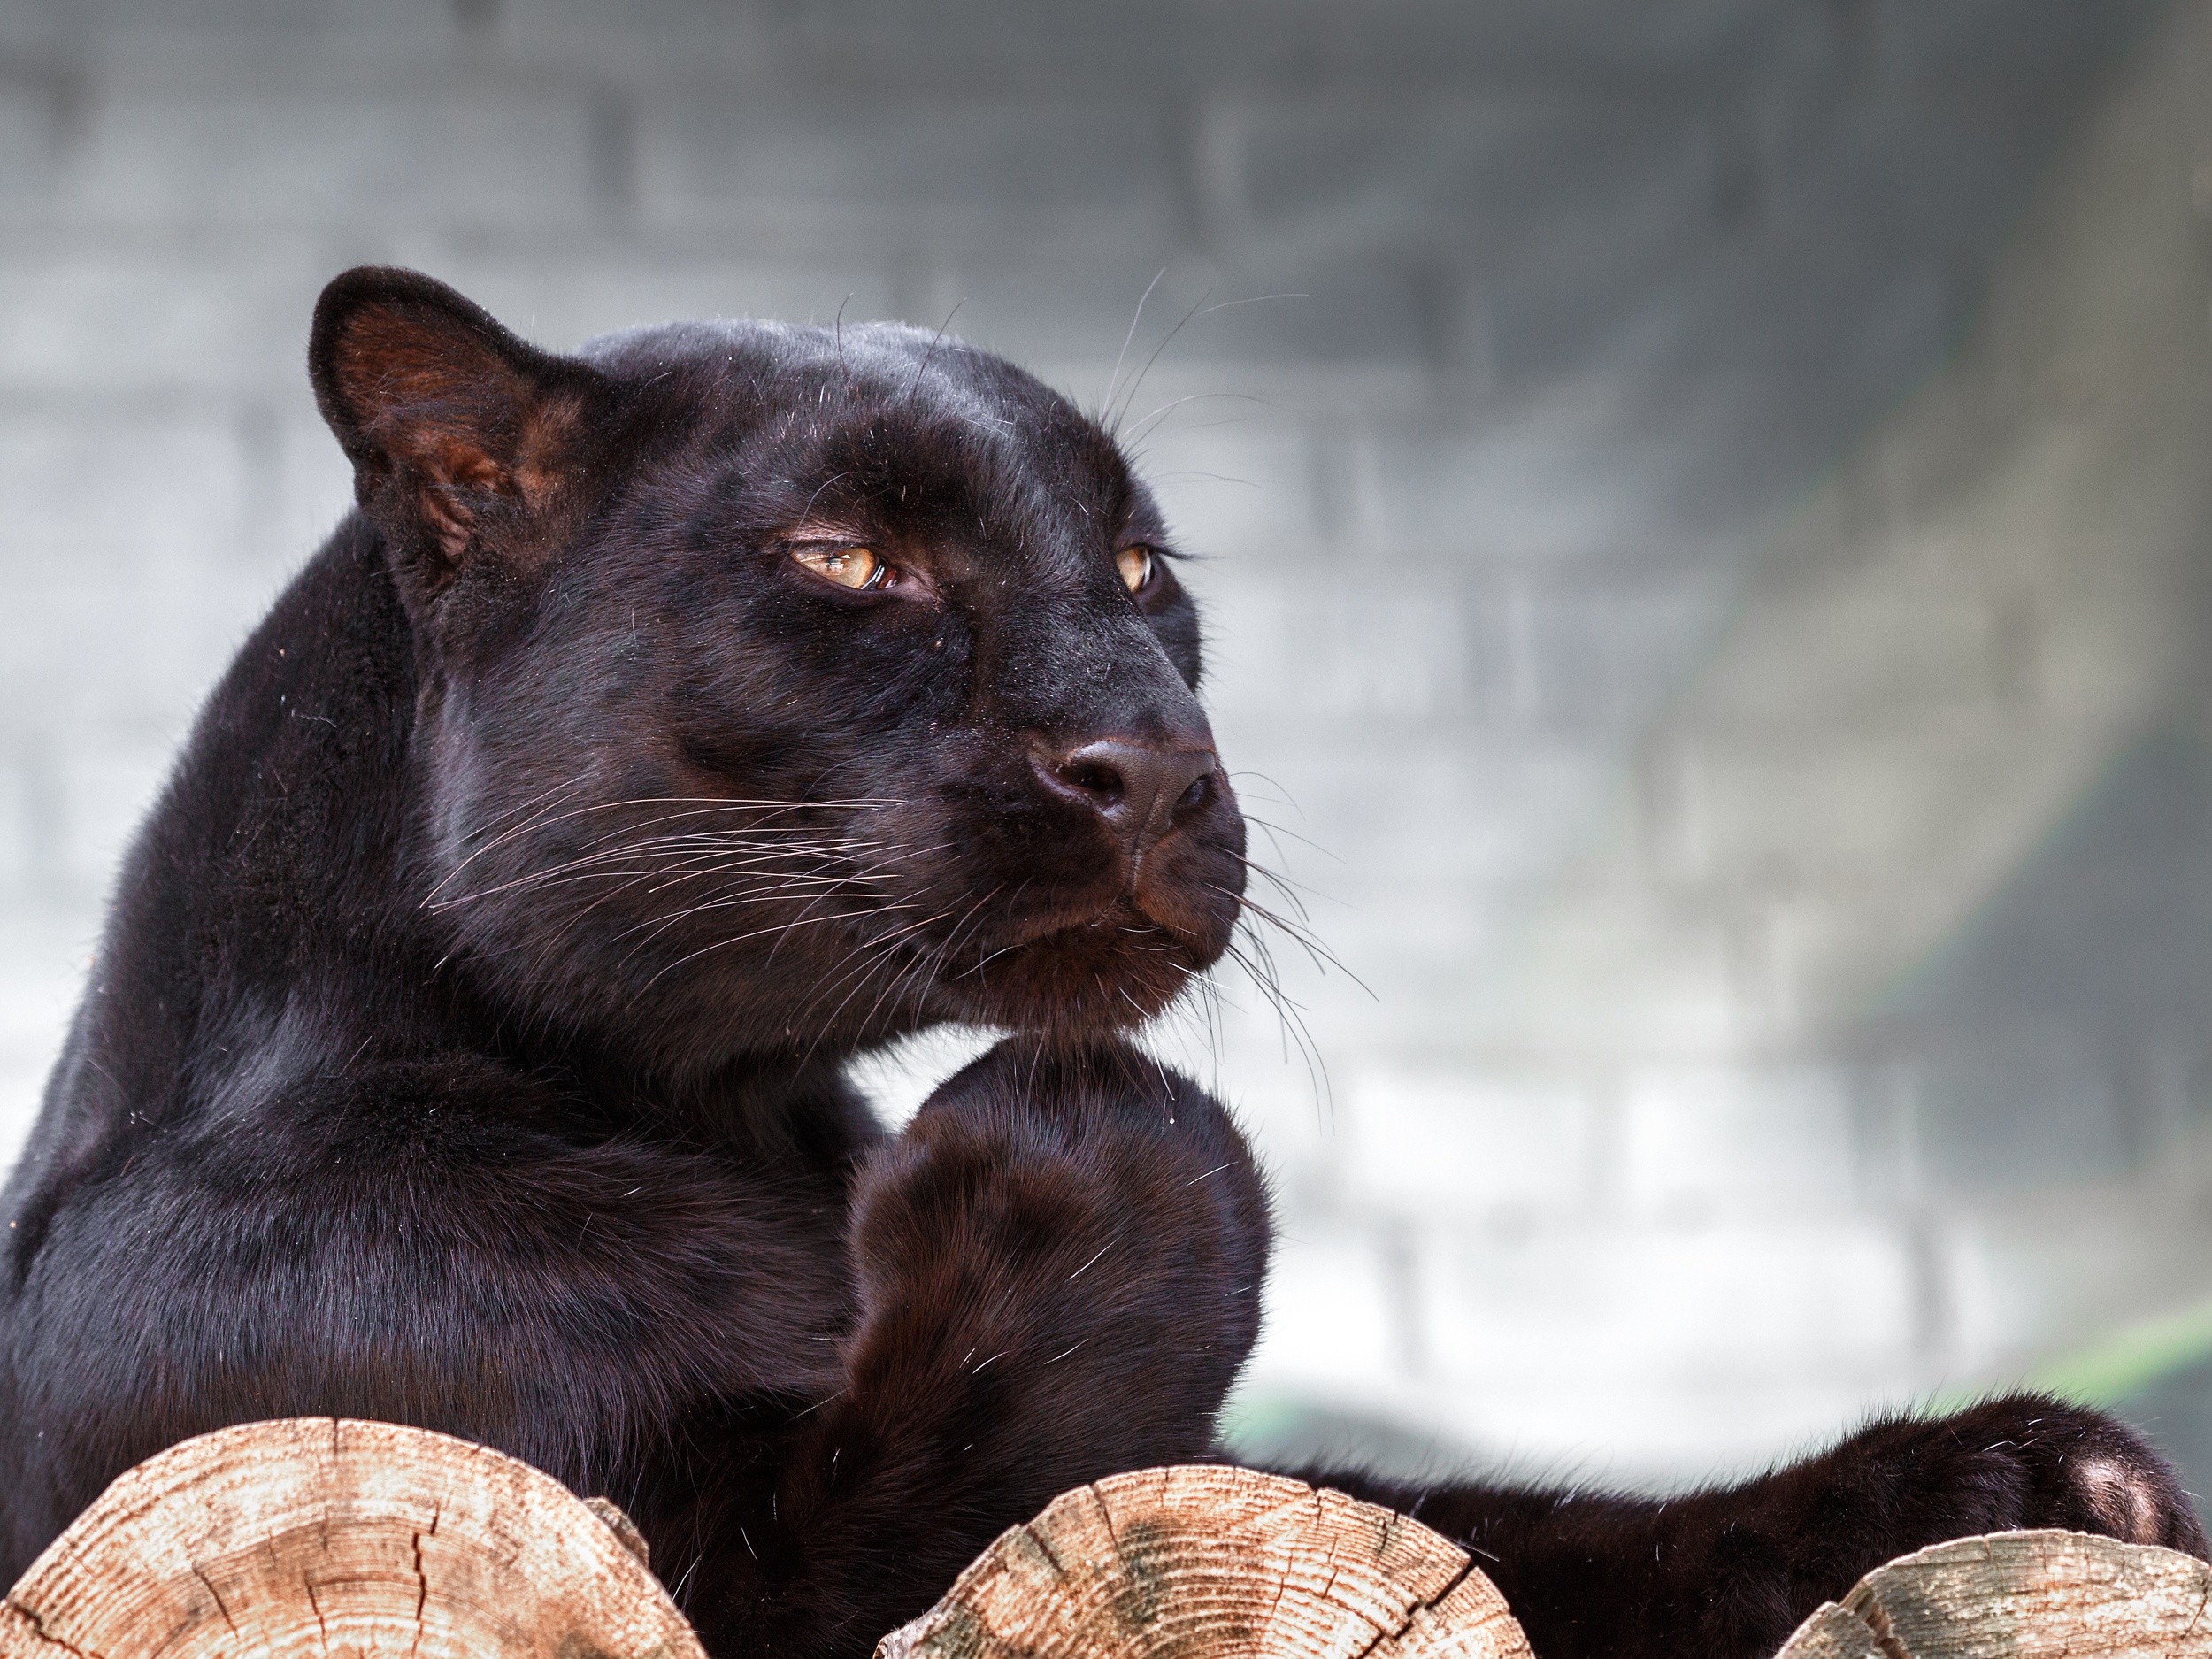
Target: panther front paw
(1066,1199)
(1059,1260)
(2017,1462)
(2054,1464)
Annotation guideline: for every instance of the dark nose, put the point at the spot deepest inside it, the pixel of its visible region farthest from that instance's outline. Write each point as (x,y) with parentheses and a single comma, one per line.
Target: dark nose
(1136,788)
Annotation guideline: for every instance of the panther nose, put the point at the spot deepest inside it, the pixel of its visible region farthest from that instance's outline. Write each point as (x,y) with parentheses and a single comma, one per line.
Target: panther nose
(1136,788)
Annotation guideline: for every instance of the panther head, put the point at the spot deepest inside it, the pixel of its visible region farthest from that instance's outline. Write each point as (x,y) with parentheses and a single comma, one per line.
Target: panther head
(781,686)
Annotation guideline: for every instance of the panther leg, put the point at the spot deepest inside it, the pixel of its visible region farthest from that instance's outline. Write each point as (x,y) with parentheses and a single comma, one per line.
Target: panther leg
(1731,1571)
(1057,1271)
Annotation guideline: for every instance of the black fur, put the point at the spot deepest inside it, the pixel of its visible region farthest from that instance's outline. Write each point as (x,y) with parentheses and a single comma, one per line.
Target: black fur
(465,1048)
(1731,1571)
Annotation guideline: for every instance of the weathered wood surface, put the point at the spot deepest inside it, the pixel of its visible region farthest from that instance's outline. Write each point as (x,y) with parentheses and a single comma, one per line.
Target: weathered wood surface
(339,1539)
(333,1538)
(2021,1595)
(1204,1561)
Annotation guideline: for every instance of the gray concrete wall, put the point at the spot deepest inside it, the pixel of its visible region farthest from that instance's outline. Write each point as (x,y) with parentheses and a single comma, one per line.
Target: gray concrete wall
(1772,849)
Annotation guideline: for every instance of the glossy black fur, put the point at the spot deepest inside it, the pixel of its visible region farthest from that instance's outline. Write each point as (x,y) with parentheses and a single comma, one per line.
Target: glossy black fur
(1732,1570)
(465,1046)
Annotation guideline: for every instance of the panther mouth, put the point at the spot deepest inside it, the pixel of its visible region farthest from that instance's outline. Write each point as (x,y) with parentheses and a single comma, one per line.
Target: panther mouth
(1121,913)
(1088,931)
(1113,968)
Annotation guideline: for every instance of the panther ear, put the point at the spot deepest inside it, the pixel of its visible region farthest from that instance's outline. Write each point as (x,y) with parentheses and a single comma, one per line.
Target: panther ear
(457,429)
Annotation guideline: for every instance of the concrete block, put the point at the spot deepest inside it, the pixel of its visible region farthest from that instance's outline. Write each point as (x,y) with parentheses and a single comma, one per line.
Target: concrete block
(1063,300)
(1957,45)
(1594,655)
(1389,654)
(28,137)
(80,319)
(1287,1102)
(1525,45)
(307,489)
(1372,306)
(1151,47)
(1562,476)
(1483,171)
(324,151)
(1717,1141)
(1739,1300)
(110,656)
(44,952)
(1745,807)
(1330,1325)
(104,794)
(1608,974)
(927,171)
(561,305)
(118,492)
(237,23)
(1799,941)
(1457,1144)
(1238,485)
(1300,1058)
(23,1067)
(658,22)
(2023,1281)
(1372,815)
(1401,951)
(1539,228)
(1868,658)
(20,814)
(2018,1111)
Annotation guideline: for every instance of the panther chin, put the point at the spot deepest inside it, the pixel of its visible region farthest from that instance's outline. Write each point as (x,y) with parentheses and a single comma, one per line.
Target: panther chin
(1113,971)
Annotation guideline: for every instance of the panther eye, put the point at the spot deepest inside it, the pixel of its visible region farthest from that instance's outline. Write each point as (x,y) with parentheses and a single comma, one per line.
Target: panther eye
(847,566)
(1135,565)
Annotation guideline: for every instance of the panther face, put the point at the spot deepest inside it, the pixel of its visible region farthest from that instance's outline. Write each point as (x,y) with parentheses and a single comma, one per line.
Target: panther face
(783,686)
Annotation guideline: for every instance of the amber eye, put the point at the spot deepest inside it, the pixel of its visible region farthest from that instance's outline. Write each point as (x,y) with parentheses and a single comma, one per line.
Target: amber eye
(1135,565)
(847,566)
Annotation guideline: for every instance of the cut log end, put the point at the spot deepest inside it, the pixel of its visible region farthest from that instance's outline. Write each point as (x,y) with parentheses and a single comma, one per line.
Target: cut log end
(316,1535)
(2024,1595)
(1207,1562)
(1202,1561)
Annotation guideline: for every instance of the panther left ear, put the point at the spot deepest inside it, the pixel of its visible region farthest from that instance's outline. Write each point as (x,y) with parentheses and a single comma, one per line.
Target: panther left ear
(456,427)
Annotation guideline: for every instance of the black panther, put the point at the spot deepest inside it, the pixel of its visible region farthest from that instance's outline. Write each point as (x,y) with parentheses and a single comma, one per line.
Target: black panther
(670,722)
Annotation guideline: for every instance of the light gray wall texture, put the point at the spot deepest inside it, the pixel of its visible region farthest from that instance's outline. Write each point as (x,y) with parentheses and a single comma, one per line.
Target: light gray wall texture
(1701,547)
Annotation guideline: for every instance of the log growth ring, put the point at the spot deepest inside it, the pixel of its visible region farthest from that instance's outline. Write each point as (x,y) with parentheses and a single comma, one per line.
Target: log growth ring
(335,1538)
(331,1537)
(1202,1562)
(2043,1595)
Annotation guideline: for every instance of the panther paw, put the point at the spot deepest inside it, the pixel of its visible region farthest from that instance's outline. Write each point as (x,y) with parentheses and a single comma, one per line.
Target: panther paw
(2027,1460)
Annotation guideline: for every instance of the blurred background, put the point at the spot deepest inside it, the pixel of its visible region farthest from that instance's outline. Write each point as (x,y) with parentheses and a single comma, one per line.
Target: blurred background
(1704,514)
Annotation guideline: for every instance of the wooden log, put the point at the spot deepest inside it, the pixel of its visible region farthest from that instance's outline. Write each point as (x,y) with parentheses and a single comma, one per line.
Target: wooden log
(1202,1561)
(2021,1595)
(332,1538)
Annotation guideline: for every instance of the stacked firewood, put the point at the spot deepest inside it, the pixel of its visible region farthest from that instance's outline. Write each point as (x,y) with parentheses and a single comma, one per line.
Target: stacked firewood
(337,1538)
